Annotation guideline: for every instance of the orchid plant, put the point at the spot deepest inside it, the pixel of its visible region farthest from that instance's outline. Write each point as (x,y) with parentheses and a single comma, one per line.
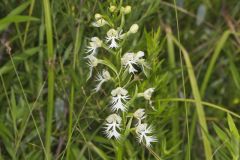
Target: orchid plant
(120,122)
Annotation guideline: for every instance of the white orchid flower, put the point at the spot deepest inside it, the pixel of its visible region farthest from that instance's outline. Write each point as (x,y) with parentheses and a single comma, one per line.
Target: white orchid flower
(130,60)
(147,94)
(119,98)
(99,21)
(112,126)
(139,115)
(101,78)
(113,36)
(92,62)
(94,44)
(144,134)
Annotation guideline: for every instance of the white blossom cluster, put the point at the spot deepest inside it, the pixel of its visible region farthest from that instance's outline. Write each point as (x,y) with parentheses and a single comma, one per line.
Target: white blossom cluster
(130,62)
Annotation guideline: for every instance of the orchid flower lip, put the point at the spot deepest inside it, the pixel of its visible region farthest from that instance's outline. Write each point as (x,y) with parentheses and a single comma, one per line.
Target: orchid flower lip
(93,46)
(113,126)
(113,36)
(119,99)
(144,134)
(101,78)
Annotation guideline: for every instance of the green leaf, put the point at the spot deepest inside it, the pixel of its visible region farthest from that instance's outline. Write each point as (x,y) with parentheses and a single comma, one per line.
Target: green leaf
(19,9)
(110,65)
(6,137)
(232,126)
(217,51)
(15,19)
(221,134)
(98,151)
(15,12)
(18,58)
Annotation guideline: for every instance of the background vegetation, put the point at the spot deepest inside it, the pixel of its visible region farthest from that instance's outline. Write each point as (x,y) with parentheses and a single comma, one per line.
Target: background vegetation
(193,47)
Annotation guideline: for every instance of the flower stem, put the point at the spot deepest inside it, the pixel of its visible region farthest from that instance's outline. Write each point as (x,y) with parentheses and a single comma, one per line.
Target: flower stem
(49,34)
(120,151)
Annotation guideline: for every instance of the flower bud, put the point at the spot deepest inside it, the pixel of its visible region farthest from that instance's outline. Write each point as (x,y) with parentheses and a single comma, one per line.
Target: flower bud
(148,93)
(112,8)
(134,28)
(127,9)
(98,16)
(122,9)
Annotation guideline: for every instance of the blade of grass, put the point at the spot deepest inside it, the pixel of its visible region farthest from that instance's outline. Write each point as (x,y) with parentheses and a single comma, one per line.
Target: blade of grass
(188,155)
(234,70)
(216,53)
(26,100)
(77,46)
(20,8)
(172,65)
(100,153)
(18,58)
(28,23)
(213,60)
(50,107)
(15,19)
(197,97)
(203,103)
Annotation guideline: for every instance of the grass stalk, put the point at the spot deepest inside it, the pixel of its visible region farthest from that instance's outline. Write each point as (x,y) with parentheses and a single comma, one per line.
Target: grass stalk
(28,23)
(213,60)
(197,97)
(50,107)
(207,76)
(207,104)
(72,92)
(172,65)
(119,151)
(188,155)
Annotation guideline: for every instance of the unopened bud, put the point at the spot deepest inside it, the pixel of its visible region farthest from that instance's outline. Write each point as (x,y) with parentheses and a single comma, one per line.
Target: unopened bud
(122,9)
(127,9)
(98,16)
(134,28)
(112,8)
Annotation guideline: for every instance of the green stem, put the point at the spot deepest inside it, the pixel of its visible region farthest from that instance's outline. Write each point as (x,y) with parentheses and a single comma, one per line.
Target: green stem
(71,104)
(119,151)
(172,65)
(28,23)
(49,34)
(188,155)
